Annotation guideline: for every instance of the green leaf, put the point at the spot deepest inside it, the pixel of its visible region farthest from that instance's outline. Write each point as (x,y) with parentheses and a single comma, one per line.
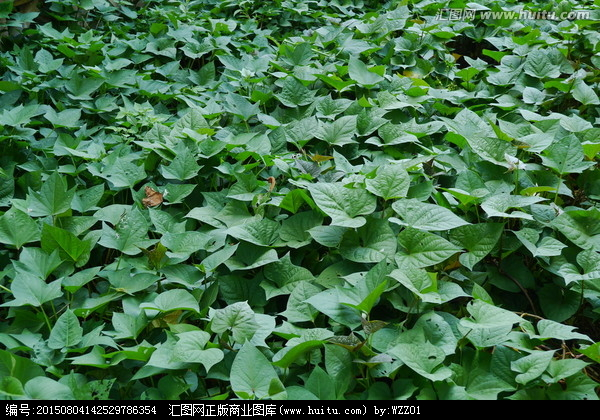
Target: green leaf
(497,205)
(419,282)
(127,326)
(46,61)
(123,173)
(437,331)
(539,65)
(262,232)
(66,332)
(11,387)
(331,303)
(52,199)
(425,216)
(42,388)
(249,256)
(294,199)
(469,125)
(391,181)
(125,281)
(565,156)
(361,74)
(240,106)
(288,355)
(21,368)
(31,290)
(342,204)
(193,120)
(294,93)
(252,374)
(295,229)
(69,246)
(369,120)
(338,132)
(371,243)
(335,81)
(82,87)
(423,249)
(577,387)
(19,115)
(551,329)
(65,118)
(593,352)
(320,384)
(87,199)
(238,318)
(330,236)
(129,235)
(393,134)
(285,275)
(558,303)
(297,309)
(183,166)
(485,315)
(182,245)
(580,227)
(532,366)
(424,358)
(211,262)
(330,108)
(190,348)
(478,240)
(172,300)
(546,247)
(584,93)
(17,228)
(560,369)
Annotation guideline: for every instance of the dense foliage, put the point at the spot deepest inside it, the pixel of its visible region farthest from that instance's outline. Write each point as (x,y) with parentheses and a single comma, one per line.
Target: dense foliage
(298,199)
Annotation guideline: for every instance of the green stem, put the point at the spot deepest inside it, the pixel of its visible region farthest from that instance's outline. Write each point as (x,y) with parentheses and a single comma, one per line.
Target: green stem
(557,188)
(46,319)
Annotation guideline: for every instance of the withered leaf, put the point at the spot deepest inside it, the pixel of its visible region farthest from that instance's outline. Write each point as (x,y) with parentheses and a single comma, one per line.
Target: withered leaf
(153,198)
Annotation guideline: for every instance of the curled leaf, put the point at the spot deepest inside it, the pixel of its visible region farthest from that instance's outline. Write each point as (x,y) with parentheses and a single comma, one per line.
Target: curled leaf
(272,182)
